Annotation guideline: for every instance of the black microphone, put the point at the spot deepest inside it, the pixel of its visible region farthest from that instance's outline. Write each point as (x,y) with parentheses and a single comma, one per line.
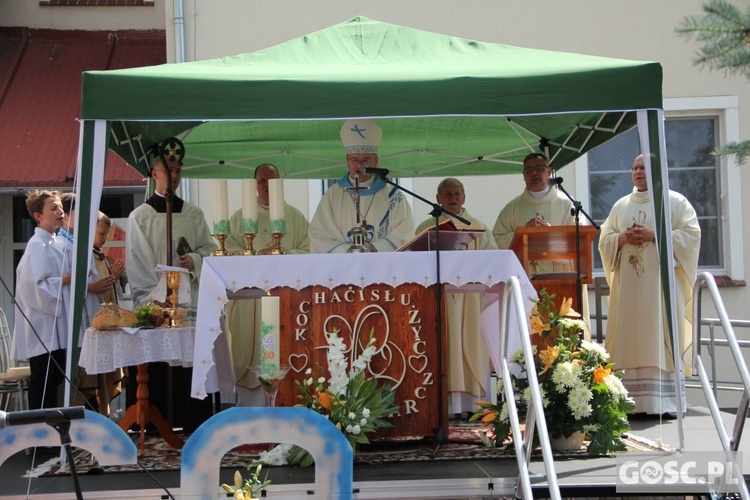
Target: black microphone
(555,181)
(382,172)
(49,416)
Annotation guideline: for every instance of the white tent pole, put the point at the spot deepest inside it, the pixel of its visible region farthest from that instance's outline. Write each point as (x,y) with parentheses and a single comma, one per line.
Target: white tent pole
(663,234)
(92,154)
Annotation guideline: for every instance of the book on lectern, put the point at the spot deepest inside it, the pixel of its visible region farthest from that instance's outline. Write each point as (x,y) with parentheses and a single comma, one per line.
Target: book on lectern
(451,238)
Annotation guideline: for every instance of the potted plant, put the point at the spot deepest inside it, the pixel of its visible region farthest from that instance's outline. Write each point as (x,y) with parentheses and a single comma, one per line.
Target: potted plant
(582,393)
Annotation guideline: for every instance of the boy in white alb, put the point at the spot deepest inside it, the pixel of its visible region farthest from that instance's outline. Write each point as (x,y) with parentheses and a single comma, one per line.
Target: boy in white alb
(40,333)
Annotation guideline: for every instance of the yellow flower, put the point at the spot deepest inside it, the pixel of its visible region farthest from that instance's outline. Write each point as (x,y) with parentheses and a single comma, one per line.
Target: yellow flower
(601,373)
(536,326)
(548,357)
(489,417)
(567,310)
(325,400)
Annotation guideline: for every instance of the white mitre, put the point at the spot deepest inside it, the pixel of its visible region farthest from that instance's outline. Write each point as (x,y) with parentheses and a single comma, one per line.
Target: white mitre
(361,136)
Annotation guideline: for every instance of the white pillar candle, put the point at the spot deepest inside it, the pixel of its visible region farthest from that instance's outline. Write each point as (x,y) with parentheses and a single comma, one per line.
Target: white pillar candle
(221,205)
(276,199)
(249,199)
(269,335)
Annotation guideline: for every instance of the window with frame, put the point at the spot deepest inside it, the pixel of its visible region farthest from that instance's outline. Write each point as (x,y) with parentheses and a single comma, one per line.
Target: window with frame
(693,171)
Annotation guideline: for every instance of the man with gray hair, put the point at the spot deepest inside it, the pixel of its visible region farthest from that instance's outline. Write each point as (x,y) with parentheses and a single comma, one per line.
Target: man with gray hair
(386,215)
(468,359)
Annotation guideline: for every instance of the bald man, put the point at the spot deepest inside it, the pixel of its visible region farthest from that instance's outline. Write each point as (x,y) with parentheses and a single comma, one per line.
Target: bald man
(468,359)
(243,316)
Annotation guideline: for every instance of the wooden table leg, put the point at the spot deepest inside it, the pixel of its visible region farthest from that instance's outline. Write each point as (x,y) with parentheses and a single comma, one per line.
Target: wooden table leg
(143,413)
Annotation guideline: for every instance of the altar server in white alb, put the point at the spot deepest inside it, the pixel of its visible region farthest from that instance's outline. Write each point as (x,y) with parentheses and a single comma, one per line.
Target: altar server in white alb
(385,212)
(637,336)
(468,359)
(40,277)
(146,242)
(146,247)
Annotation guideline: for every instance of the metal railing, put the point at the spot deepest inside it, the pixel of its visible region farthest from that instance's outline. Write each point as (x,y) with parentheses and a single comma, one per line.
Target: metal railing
(522,442)
(712,343)
(730,445)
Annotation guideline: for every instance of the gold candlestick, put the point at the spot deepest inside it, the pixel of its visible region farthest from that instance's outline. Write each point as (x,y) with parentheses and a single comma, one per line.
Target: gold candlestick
(249,237)
(221,250)
(277,248)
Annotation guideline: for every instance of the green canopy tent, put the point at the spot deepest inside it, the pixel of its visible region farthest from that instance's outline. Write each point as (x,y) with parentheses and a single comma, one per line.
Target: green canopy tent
(447,106)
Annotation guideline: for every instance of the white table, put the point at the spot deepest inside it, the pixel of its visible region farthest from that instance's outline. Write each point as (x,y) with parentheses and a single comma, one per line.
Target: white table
(106,350)
(480,270)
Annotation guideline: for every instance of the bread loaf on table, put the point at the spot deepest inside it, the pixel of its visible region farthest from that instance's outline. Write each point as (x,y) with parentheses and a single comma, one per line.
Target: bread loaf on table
(113,316)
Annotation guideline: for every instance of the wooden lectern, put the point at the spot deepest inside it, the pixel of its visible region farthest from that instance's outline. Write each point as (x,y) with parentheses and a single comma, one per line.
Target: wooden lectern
(556,243)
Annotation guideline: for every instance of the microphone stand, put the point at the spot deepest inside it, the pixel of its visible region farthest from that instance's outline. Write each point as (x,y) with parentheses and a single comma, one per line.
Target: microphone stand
(62,426)
(441,433)
(575,212)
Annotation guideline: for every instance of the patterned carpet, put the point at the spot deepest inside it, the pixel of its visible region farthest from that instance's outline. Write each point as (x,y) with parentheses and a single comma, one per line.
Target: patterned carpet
(464,444)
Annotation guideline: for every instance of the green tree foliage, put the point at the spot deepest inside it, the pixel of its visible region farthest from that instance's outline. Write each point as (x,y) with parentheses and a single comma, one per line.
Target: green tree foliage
(723,33)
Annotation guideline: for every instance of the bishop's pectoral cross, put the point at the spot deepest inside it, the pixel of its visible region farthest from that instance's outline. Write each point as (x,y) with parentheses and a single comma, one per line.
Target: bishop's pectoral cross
(359,231)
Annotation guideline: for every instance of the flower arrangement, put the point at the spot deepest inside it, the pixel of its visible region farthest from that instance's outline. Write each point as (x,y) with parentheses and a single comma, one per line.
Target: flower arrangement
(581,391)
(249,488)
(356,404)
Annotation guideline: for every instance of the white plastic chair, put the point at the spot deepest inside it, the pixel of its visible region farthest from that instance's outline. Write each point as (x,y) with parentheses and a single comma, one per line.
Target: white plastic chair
(13,380)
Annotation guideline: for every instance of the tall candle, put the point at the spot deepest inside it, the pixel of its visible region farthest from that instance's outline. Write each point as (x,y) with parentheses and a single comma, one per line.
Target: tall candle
(269,335)
(249,199)
(221,206)
(276,199)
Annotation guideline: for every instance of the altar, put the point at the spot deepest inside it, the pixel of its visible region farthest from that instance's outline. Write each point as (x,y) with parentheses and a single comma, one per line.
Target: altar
(412,367)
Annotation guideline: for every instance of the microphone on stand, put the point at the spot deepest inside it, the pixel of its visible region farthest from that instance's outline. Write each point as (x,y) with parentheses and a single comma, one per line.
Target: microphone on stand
(382,172)
(51,416)
(555,181)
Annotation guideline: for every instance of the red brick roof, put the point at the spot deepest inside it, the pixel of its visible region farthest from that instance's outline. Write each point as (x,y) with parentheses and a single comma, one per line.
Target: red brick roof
(40,99)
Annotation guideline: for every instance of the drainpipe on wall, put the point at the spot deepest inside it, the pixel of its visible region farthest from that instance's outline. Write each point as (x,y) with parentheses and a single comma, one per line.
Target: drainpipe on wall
(179,48)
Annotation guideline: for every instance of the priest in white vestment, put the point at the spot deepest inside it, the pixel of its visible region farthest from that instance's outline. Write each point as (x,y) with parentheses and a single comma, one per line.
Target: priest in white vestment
(386,215)
(243,316)
(468,356)
(637,336)
(539,205)
(146,247)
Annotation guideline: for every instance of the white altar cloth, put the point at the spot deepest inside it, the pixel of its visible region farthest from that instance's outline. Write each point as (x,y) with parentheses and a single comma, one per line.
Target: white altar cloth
(474,271)
(107,350)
